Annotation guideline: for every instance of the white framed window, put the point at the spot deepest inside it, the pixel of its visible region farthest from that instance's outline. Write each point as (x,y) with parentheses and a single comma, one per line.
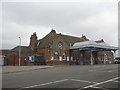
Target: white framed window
(60,58)
(67,58)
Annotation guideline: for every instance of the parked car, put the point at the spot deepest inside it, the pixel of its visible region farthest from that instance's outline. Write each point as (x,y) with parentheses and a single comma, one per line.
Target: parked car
(117,60)
(39,60)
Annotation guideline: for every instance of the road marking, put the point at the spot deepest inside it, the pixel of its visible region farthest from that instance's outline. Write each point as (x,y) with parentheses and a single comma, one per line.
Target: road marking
(54,82)
(46,83)
(43,84)
(116,81)
(101,82)
(93,85)
(100,66)
(82,81)
(109,71)
(101,88)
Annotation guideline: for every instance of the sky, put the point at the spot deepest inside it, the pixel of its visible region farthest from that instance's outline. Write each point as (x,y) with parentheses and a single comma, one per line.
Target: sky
(119,28)
(95,19)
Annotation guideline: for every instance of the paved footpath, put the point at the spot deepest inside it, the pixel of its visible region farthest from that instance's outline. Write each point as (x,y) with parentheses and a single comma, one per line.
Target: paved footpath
(12,69)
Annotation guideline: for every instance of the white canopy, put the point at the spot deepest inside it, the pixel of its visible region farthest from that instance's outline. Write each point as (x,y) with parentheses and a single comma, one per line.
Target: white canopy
(92,44)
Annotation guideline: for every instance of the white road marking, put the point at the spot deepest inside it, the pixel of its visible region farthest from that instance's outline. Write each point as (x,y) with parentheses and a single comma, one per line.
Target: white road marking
(101,71)
(42,84)
(83,81)
(116,81)
(102,82)
(100,66)
(54,82)
(93,85)
(101,88)
(109,71)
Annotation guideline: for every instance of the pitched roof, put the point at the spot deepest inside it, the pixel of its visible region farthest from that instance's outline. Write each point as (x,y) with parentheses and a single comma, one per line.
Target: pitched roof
(72,39)
(24,49)
(4,51)
(49,38)
(46,41)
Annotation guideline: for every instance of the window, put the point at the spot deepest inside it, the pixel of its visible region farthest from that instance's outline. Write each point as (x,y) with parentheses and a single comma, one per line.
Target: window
(60,45)
(63,56)
(31,58)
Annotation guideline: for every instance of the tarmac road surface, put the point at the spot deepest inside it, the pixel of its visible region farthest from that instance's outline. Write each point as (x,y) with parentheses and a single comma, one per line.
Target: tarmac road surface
(75,77)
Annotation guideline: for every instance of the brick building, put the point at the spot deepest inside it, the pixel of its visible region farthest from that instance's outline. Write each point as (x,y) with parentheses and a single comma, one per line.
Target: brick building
(58,48)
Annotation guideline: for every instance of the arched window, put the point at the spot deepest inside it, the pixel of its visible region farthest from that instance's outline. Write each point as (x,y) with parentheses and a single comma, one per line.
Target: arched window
(64,56)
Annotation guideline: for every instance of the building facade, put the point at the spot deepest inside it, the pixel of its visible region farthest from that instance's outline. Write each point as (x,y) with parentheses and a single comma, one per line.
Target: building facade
(57,48)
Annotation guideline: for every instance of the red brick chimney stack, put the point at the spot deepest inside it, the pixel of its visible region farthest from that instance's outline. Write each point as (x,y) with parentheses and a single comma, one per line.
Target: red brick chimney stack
(33,40)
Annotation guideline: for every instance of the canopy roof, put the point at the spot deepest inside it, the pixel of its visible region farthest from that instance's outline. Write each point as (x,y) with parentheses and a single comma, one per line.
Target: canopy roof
(87,45)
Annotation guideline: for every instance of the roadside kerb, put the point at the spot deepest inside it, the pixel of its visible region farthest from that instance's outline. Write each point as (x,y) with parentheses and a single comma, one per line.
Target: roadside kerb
(14,69)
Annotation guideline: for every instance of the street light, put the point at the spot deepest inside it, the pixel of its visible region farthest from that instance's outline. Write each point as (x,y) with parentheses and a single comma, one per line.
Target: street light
(19,50)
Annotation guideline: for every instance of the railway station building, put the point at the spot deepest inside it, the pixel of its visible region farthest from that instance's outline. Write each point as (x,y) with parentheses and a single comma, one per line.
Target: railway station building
(57,48)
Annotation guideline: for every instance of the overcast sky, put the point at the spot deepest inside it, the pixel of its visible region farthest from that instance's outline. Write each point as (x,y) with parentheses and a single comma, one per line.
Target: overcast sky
(96,20)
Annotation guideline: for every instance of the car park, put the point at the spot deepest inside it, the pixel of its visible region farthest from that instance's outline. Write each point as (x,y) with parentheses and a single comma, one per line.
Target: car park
(117,60)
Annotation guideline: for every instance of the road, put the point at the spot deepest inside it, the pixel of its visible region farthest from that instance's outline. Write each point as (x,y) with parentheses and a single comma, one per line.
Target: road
(76,77)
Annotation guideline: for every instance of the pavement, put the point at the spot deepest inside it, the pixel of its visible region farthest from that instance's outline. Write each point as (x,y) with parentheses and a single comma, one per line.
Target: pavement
(13,69)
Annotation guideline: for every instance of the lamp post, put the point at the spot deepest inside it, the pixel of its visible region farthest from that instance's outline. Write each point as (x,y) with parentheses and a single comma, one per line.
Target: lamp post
(19,50)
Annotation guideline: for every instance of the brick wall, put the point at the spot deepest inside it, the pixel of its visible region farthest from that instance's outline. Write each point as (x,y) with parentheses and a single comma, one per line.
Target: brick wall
(13,59)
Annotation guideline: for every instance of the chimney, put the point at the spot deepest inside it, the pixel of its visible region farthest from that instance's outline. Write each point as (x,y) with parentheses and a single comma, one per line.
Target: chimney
(33,41)
(53,31)
(83,36)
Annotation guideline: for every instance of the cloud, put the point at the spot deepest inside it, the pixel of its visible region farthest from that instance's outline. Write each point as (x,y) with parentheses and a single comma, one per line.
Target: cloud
(96,20)
(12,32)
(49,13)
